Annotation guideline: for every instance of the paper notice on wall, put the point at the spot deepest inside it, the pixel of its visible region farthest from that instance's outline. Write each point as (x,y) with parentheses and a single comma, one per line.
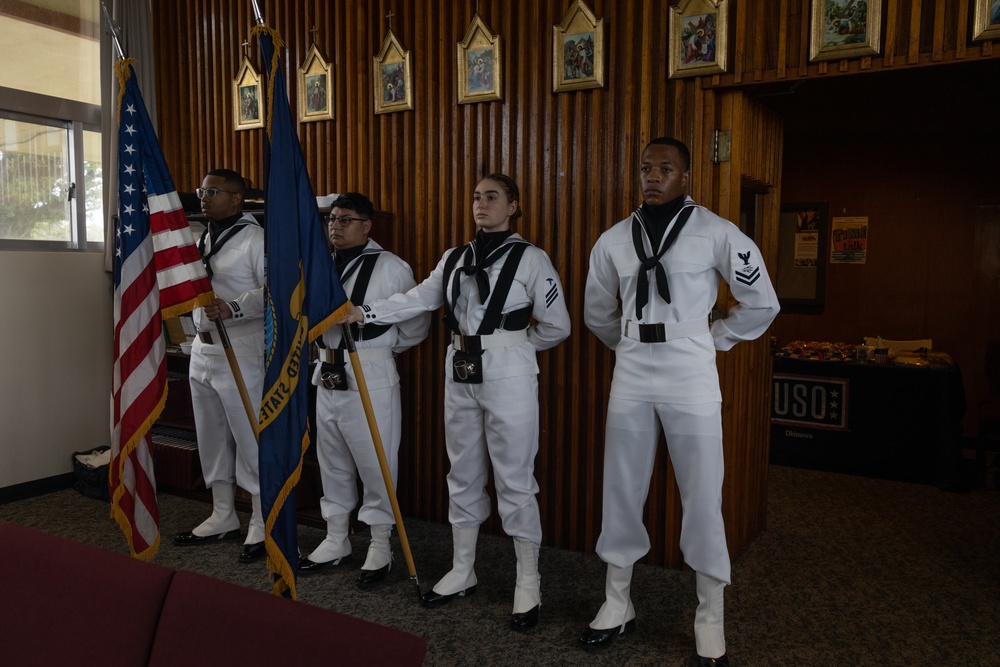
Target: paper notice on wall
(850,240)
(806,249)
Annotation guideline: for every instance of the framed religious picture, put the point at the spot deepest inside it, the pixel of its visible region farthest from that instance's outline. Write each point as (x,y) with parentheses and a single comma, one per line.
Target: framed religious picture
(480,77)
(986,20)
(315,88)
(392,77)
(578,50)
(247,111)
(698,38)
(845,29)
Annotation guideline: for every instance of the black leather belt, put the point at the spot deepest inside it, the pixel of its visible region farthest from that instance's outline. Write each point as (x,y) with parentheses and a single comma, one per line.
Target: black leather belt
(206,337)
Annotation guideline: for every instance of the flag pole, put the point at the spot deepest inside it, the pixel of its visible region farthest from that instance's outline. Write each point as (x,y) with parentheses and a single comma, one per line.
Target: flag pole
(366,402)
(238,376)
(114,30)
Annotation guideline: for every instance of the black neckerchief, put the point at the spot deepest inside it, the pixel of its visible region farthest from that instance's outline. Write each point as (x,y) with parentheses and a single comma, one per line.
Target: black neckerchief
(487,242)
(674,225)
(216,233)
(344,257)
(656,217)
(481,254)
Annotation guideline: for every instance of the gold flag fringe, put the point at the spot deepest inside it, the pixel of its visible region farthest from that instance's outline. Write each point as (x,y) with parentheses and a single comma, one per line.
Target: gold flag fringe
(276,561)
(328,321)
(278,43)
(200,301)
(122,72)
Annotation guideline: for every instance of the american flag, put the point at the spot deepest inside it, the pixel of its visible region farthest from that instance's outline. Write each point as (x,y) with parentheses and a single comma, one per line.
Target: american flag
(158,274)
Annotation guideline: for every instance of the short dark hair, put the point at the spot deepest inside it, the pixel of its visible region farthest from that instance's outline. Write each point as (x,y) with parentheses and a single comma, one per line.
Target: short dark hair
(232,178)
(509,187)
(676,143)
(355,201)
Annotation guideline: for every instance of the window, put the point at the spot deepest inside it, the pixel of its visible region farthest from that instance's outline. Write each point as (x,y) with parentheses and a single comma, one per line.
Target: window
(50,126)
(50,180)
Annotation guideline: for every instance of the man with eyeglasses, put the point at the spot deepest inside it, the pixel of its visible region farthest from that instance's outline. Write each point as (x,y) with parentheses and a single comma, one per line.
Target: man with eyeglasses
(343,440)
(232,248)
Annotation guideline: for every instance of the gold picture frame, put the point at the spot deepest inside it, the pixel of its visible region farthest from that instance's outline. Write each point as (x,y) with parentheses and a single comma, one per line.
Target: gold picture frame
(248,109)
(838,30)
(315,88)
(699,38)
(578,50)
(392,69)
(480,74)
(986,20)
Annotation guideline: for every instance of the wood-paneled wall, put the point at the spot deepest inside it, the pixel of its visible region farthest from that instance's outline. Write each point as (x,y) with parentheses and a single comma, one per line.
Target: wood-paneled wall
(574,156)
(771,40)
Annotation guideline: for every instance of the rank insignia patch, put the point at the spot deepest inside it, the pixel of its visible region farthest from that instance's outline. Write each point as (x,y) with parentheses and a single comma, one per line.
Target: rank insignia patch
(748,273)
(550,296)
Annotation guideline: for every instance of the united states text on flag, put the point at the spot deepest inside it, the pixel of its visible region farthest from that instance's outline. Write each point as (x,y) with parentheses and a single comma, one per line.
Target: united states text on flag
(303,298)
(158,273)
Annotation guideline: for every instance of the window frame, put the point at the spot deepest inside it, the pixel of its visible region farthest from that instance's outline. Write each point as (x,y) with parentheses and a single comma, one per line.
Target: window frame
(77,118)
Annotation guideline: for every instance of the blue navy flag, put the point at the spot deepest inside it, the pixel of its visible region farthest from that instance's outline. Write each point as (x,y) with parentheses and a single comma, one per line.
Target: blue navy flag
(304,298)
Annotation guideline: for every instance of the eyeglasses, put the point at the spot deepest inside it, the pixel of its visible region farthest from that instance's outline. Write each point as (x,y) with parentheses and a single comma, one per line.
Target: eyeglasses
(343,220)
(211,192)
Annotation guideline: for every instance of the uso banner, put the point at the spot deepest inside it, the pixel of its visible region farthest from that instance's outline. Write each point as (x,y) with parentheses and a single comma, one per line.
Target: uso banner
(809,401)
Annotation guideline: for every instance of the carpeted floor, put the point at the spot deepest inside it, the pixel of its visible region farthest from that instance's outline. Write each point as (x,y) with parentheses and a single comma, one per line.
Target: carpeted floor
(849,571)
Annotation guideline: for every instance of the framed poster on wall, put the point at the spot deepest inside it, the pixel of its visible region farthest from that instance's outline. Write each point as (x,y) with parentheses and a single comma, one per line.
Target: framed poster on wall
(803,229)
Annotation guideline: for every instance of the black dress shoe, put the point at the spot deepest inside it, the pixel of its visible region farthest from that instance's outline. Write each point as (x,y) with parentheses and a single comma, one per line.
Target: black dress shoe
(592,638)
(432,599)
(721,661)
(525,621)
(188,538)
(252,552)
(370,578)
(307,566)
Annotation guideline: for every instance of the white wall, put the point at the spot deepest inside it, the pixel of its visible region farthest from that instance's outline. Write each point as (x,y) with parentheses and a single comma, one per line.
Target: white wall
(55,361)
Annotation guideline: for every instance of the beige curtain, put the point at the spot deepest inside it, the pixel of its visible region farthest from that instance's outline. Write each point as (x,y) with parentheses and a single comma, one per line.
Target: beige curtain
(136,37)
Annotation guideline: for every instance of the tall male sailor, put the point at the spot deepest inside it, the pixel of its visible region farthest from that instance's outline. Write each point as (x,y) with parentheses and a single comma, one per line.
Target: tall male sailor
(232,248)
(665,376)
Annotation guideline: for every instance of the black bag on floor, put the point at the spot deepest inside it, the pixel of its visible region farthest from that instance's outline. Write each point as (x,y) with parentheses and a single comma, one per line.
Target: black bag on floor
(91,480)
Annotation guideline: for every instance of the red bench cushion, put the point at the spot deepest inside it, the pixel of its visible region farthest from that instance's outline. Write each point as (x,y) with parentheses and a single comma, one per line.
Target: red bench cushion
(206,621)
(68,603)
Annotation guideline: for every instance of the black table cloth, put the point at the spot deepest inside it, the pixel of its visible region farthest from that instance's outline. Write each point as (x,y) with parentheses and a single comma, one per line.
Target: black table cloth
(886,421)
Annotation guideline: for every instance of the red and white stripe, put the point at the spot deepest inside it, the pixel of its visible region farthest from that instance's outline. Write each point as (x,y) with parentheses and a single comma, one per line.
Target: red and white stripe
(138,394)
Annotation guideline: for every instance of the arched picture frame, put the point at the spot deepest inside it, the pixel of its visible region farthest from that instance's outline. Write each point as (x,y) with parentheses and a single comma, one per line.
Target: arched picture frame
(315,88)
(480,75)
(578,50)
(393,82)
(248,108)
